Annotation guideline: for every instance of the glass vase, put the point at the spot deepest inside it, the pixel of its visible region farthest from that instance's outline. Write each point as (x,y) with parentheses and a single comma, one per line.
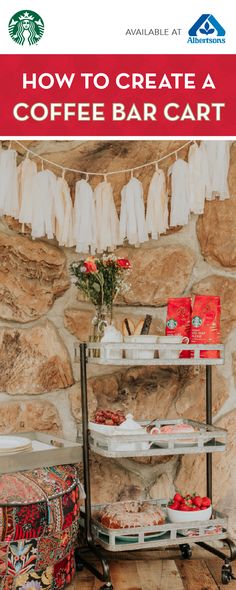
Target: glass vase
(102,318)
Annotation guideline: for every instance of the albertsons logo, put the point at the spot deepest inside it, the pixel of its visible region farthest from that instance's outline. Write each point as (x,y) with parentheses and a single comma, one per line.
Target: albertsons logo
(206,30)
(26,27)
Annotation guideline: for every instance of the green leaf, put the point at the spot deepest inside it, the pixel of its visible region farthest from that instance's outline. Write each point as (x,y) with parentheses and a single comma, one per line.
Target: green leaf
(97,287)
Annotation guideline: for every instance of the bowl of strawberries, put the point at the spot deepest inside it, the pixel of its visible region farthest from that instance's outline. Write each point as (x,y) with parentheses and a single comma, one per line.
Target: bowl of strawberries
(106,421)
(189,508)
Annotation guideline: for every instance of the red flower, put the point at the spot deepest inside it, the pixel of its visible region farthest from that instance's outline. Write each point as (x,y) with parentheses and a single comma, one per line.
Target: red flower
(90,265)
(123,262)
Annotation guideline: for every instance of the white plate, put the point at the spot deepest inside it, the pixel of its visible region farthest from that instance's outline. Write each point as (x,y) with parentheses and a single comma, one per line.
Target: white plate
(15,450)
(12,444)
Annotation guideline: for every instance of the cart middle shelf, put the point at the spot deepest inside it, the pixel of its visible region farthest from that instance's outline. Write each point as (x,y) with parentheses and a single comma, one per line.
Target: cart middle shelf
(204,439)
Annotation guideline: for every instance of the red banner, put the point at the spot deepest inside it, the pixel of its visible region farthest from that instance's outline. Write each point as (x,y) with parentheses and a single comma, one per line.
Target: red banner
(117,95)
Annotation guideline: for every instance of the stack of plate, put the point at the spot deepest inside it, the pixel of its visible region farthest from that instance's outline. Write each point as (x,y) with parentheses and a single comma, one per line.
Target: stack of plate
(9,445)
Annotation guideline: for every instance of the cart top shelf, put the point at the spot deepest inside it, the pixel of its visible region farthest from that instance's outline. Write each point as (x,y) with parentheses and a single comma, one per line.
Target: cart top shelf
(124,354)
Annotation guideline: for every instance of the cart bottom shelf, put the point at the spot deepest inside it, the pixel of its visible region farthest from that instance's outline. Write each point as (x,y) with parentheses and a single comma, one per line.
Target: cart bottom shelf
(163,535)
(123,544)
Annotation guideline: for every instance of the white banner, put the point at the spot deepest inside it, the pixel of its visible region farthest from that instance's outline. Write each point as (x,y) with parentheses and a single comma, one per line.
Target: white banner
(120,27)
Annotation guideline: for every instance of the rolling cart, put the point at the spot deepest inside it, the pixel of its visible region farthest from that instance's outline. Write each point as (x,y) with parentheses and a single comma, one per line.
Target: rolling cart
(205,439)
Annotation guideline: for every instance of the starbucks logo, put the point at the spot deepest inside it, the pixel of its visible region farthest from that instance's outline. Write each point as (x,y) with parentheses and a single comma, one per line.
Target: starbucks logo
(171,324)
(196,321)
(26,27)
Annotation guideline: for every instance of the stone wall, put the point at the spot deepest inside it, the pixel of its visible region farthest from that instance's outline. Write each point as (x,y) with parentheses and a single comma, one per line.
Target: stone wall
(41,314)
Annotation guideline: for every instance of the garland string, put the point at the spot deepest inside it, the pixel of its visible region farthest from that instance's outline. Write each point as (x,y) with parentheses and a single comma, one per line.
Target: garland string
(104,174)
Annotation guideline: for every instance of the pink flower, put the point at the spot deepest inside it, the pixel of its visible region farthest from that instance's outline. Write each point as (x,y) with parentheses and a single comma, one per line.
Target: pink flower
(123,262)
(90,265)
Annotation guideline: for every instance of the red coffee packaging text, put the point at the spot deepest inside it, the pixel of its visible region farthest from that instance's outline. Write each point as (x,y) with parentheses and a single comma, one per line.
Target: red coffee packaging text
(178,321)
(205,324)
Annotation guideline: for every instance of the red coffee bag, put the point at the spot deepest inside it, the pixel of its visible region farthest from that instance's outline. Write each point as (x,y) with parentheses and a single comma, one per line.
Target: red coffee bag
(178,321)
(205,324)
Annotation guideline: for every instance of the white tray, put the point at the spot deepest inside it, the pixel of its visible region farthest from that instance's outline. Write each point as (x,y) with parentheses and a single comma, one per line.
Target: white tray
(47,450)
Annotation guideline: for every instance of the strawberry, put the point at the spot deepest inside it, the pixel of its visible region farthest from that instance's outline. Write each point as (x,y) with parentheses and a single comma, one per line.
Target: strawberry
(178,498)
(197,501)
(173,506)
(184,508)
(206,502)
(109,417)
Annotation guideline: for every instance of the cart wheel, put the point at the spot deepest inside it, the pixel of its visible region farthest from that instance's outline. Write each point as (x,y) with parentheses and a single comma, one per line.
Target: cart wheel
(78,562)
(226,573)
(225,576)
(186,551)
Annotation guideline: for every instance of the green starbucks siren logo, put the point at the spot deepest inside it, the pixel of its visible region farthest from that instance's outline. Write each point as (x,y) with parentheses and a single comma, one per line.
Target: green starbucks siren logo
(196,321)
(26,27)
(171,324)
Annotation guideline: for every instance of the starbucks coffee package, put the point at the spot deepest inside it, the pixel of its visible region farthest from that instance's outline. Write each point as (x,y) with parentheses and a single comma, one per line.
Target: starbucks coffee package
(178,320)
(205,324)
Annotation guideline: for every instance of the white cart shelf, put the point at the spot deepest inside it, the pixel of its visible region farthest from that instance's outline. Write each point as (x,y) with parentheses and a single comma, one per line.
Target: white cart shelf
(207,439)
(101,354)
(157,536)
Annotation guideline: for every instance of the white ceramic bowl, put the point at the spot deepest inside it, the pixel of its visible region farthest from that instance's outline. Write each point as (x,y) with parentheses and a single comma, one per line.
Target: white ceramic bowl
(181,516)
(142,353)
